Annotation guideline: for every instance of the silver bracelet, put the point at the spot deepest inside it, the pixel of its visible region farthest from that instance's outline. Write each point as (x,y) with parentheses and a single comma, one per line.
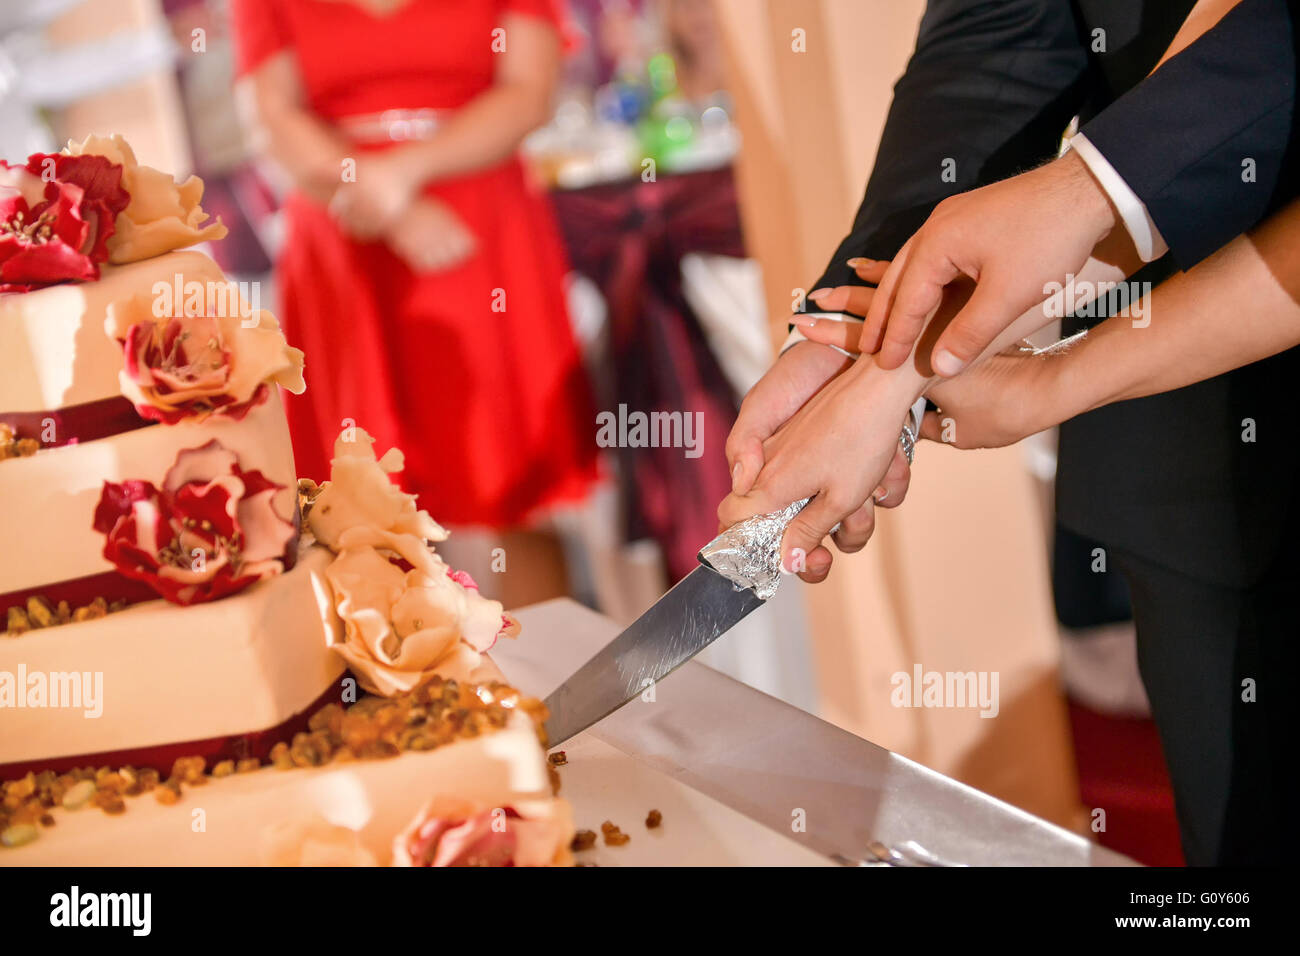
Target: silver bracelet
(912,429)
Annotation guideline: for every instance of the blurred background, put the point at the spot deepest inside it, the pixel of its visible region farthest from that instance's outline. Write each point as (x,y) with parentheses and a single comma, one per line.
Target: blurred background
(702,160)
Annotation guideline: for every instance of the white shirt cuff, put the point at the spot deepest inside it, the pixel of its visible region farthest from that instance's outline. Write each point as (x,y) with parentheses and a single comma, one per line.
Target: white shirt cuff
(1132,210)
(796,336)
(791,340)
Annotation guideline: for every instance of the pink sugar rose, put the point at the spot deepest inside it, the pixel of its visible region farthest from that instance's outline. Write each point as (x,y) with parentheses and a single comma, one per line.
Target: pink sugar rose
(57,214)
(210,531)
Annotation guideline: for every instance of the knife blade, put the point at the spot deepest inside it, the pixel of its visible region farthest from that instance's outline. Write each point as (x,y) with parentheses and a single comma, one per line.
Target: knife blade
(738,571)
(698,610)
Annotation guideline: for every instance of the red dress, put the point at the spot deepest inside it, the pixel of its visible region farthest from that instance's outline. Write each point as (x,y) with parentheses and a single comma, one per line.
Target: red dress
(490,407)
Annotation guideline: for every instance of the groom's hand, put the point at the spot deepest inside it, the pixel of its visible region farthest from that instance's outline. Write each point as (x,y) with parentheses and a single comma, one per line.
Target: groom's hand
(798,374)
(1012,237)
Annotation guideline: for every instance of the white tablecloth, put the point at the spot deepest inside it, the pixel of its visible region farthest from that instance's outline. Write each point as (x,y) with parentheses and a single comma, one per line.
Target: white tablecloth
(781,766)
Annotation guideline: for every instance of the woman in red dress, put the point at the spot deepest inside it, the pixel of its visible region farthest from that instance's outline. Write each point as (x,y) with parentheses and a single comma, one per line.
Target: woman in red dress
(422,273)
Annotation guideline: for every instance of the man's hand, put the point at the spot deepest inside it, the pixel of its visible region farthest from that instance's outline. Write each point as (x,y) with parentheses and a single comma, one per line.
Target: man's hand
(998,401)
(1012,238)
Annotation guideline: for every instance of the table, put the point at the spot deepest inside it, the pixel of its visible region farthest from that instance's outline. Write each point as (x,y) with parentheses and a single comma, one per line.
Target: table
(779,765)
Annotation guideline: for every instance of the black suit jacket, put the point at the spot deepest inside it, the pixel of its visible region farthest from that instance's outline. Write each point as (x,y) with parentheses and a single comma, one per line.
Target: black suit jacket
(992,86)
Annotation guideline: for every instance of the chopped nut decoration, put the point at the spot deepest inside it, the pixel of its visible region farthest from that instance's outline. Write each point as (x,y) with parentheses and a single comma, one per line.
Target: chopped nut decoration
(39,612)
(440,712)
(11,446)
(653,819)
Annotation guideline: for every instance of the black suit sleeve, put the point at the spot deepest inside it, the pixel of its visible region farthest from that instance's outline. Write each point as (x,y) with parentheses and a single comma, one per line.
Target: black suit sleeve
(1180,137)
(991,87)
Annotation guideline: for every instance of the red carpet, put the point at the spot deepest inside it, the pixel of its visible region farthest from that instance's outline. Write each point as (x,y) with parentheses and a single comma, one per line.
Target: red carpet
(1122,771)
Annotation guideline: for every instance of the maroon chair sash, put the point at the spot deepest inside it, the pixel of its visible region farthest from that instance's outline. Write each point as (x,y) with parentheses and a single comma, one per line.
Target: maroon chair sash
(629,239)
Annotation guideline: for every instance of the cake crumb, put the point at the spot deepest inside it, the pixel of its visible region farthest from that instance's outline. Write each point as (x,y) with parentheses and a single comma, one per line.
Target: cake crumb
(653,819)
(558,759)
(583,840)
(613,835)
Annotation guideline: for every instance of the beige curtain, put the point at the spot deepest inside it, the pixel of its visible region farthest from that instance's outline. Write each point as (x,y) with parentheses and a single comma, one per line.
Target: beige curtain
(146,110)
(956,580)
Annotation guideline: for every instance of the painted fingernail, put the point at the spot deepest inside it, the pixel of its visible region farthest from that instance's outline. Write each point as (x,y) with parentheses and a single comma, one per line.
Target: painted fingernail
(880,494)
(818,293)
(806,323)
(947,364)
(735,476)
(857,262)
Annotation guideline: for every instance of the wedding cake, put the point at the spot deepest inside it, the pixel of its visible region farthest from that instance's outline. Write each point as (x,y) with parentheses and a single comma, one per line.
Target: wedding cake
(171,595)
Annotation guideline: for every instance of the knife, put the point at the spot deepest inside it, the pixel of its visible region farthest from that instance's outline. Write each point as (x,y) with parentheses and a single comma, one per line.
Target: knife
(738,571)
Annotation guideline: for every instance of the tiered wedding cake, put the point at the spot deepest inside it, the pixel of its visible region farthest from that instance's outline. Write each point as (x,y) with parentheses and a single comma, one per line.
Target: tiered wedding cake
(166,588)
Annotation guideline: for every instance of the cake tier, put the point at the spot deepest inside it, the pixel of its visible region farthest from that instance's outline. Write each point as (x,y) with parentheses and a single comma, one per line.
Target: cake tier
(47,501)
(56,352)
(155,675)
(247,815)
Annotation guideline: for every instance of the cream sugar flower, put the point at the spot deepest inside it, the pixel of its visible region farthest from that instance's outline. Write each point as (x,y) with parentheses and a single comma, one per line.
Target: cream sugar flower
(163,215)
(406,615)
(360,494)
(193,366)
(403,627)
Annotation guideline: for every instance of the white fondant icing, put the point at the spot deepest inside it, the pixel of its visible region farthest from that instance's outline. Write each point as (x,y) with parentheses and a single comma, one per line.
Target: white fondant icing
(55,351)
(47,501)
(248,813)
(171,674)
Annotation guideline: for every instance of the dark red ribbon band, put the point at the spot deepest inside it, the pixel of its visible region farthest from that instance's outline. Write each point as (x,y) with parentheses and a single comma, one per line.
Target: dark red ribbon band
(161,757)
(112,586)
(88,421)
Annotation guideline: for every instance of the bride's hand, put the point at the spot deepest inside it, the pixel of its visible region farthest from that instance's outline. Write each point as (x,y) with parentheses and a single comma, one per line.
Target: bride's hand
(996,402)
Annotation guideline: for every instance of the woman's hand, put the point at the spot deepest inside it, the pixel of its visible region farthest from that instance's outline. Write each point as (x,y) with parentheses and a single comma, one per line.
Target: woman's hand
(838,448)
(430,237)
(384,189)
(998,401)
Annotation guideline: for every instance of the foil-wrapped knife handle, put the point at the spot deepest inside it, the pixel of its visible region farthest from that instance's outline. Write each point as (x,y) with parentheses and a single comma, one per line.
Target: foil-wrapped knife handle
(748,554)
